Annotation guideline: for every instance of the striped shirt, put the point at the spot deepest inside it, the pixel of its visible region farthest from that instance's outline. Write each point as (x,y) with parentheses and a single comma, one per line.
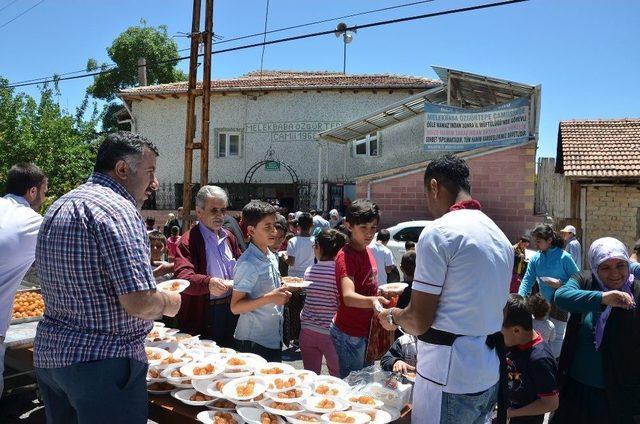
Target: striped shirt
(321,302)
(92,247)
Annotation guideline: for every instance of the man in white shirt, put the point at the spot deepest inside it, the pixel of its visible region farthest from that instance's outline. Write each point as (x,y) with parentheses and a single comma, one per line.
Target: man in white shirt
(461,284)
(319,221)
(300,253)
(383,255)
(571,244)
(19,224)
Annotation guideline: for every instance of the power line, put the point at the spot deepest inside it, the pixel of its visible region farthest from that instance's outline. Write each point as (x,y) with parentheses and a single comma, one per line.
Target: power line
(8,5)
(311,35)
(43,79)
(17,16)
(367,12)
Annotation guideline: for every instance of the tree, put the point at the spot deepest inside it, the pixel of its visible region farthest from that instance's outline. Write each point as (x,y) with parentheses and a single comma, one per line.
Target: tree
(153,44)
(61,144)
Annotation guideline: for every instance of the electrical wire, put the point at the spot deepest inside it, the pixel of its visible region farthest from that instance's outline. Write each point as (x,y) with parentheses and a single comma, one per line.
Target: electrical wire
(314,34)
(8,5)
(23,13)
(43,79)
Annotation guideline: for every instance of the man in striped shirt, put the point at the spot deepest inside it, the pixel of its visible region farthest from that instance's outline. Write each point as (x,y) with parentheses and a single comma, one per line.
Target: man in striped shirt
(92,258)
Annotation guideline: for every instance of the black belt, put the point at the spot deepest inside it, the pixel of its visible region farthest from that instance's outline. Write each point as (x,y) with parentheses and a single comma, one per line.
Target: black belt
(493,341)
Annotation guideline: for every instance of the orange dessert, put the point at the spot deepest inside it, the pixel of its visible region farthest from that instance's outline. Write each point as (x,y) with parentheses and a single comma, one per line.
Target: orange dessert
(208,369)
(154,373)
(245,390)
(236,362)
(27,305)
(307,418)
(341,417)
(274,370)
(199,397)
(284,406)
(224,404)
(326,390)
(290,394)
(267,418)
(326,404)
(284,384)
(363,400)
(223,418)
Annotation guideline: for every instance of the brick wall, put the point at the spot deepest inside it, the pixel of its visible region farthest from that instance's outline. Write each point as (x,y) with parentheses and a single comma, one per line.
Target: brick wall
(502,181)
(613,212)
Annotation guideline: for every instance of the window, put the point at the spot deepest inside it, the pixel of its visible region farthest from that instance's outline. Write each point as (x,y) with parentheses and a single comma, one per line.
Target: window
(228,144)
(408,234)
(367,146)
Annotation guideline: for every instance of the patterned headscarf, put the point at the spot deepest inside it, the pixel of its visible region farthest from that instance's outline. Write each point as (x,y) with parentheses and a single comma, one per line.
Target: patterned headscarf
(600,251)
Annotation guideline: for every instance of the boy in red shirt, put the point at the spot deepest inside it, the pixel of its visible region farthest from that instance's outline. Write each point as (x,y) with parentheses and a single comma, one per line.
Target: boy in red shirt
(357,281)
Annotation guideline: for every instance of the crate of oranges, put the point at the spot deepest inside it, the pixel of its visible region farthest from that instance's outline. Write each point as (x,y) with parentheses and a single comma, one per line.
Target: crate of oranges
(28,305)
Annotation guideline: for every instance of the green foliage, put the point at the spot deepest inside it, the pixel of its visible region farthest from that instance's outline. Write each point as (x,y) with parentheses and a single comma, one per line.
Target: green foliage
(153,44)
(63,145)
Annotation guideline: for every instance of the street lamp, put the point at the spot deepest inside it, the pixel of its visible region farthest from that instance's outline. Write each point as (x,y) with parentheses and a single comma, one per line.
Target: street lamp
(347,37)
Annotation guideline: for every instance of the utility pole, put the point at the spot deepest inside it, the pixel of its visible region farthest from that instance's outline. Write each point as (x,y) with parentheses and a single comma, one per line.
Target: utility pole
(142,71)
(190,145)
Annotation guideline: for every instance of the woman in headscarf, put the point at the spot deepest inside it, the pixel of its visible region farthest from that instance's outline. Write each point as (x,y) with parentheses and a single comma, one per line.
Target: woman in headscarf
(600,361)
(550,268)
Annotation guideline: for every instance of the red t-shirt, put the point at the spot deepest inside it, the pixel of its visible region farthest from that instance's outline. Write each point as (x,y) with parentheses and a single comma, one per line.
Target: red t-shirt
(360,266)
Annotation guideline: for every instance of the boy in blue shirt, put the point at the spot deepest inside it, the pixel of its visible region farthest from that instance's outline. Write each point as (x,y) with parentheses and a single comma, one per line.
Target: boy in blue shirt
(531,366)
(257,293)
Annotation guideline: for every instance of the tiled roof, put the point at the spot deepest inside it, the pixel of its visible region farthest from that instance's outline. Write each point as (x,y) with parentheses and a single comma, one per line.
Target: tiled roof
(608,148)
(294,80)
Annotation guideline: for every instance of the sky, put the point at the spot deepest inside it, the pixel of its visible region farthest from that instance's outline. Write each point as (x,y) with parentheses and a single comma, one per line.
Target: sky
(584,53)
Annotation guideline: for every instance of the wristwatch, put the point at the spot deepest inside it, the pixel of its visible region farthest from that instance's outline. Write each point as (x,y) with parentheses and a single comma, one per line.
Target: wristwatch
(390,319)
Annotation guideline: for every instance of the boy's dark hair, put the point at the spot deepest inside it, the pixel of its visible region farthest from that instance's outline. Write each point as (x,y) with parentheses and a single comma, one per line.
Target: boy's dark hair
(636,247)
(408,263)
(362,211)
(538,306)
(525,238)
(409,245)
(289,236)
(175,230)
(545,232)
(120,146)
(306,221)
(22,177)
(517,313)
(150,221)
(255,211)
(450,171)
(156,235)
(294,222)
(330,242)
(383,235)
(313,212)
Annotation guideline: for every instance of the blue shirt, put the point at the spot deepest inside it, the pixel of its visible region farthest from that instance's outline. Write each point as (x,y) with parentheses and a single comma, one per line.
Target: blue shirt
(554,263)
(92,247)
(586,366)
(220,261)
(19,226)
(257,274)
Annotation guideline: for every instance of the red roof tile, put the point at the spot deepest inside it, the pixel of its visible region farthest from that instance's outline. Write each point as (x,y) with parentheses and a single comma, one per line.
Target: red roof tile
(294,80)
(608,148)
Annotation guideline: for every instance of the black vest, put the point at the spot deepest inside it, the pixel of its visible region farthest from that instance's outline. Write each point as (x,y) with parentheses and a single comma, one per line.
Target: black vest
(620,349)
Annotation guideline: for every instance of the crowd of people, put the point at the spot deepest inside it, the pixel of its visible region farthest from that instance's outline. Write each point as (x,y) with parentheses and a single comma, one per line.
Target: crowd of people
(564,341)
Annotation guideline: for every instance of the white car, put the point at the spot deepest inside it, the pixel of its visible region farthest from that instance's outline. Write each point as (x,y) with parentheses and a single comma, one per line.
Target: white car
(401,233)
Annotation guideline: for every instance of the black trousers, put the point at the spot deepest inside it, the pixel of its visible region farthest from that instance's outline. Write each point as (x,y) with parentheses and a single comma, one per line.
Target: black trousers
(222,324)
(271,355)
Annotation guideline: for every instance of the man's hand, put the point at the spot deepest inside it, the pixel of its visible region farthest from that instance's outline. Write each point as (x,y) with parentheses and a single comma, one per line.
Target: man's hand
(554,283)
(217,287)
(279,296)
(382,317)
(162,268)
(618,299)
(377,303)
(172,305)
(402,367)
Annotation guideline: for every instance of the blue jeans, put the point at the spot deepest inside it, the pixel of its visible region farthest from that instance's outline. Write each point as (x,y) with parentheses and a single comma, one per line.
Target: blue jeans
(351,351)
(107,391)
(468,408)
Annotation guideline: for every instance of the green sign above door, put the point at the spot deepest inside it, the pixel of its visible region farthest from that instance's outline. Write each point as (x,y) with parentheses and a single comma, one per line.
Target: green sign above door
(272,165)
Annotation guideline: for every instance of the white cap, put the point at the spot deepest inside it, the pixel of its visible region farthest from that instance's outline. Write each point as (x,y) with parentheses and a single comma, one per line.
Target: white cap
(569,229)
(334,212)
